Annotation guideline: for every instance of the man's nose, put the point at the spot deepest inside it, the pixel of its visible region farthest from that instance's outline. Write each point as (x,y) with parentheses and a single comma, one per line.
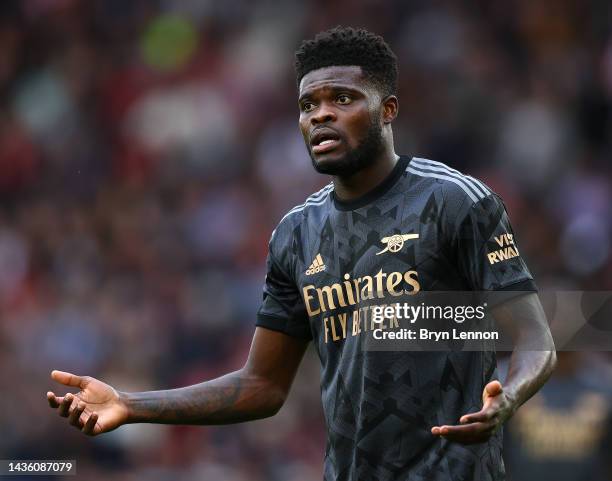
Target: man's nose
(323,114)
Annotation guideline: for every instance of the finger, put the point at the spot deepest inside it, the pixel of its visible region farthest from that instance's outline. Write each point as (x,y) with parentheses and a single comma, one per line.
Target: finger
(67,378)
(65,405)
(484,415)
(75,415)
(53,400)
(467,430)
(494,388)
(90,425)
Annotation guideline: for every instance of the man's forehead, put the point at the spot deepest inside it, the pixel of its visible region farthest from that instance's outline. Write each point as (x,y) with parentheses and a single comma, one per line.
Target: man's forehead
(350,75)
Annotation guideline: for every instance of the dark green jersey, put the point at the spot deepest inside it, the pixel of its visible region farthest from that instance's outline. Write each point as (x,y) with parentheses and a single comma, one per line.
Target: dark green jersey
(427,227)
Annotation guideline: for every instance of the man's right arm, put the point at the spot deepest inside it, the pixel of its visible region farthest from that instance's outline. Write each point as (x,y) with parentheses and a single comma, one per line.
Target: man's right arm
(258,390)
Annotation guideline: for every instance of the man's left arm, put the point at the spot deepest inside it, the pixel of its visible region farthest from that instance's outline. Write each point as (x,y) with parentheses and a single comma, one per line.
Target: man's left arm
(488,257)
(531,364)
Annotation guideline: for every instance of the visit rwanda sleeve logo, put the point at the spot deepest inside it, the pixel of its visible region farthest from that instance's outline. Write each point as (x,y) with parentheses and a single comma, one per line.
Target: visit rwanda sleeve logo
(508,249)
(396,242)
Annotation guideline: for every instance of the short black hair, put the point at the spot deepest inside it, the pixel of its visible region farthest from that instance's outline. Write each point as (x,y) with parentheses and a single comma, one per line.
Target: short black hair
(350,46)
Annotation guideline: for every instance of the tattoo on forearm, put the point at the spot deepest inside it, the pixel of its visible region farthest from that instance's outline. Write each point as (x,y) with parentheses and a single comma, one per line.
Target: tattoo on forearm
(232,398)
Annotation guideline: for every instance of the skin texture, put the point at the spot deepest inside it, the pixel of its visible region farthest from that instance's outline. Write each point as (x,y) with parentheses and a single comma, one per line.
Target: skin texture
(341,99)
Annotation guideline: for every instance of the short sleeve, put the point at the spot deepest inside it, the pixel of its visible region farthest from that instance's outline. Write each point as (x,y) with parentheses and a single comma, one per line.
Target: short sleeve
(487,251)
(282,308)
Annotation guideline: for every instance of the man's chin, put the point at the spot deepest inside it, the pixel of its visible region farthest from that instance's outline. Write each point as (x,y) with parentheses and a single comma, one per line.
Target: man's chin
(338,166)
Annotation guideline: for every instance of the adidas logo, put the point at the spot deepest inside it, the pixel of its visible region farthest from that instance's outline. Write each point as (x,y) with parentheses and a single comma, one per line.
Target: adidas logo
(316,266)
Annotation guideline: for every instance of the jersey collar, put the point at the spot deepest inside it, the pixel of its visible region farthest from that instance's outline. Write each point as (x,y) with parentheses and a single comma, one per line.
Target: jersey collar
(378,191)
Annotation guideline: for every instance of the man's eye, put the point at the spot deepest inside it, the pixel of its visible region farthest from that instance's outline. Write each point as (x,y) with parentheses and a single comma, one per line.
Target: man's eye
(343,99)
(307,106)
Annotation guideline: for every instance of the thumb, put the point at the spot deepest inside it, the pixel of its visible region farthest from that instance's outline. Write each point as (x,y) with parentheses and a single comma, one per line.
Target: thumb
(67,378)
(494,388)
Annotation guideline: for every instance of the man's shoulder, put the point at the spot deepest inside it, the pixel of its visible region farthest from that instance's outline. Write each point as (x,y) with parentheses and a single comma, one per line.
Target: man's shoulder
(295,216)
(315,201)
(454,185)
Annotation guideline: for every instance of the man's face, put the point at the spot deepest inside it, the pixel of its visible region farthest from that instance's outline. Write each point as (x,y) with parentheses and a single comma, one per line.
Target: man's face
(340,119)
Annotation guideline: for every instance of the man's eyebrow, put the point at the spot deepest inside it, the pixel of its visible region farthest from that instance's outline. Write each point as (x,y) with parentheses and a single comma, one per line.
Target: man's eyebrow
(304,96)
(333,88)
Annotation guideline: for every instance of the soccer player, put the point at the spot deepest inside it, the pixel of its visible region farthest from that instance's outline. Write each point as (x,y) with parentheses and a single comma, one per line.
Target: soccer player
(385,228)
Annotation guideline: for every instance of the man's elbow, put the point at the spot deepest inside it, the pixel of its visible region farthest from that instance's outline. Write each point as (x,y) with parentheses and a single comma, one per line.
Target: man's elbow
(552,354)
(275,399)
(552,362)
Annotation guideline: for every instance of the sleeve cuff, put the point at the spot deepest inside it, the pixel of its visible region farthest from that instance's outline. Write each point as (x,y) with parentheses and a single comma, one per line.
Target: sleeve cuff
(280,324)
(520,286)
(516,289)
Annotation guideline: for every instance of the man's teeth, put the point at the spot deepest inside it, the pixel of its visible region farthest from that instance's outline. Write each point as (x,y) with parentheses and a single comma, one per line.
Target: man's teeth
(328,141)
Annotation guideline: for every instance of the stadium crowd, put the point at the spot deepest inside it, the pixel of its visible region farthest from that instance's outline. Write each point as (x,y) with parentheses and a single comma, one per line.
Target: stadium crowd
(148,149)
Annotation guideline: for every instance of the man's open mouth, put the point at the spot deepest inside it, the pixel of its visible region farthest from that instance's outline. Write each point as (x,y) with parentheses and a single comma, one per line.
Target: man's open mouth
(324,140)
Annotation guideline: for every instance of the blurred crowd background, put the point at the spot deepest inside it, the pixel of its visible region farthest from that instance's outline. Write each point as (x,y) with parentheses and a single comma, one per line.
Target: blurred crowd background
(148,149)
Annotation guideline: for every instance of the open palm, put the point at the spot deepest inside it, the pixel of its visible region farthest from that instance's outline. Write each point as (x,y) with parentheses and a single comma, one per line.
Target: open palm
(97,408)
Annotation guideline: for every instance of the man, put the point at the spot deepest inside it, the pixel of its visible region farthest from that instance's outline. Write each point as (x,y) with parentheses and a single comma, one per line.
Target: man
(386,228)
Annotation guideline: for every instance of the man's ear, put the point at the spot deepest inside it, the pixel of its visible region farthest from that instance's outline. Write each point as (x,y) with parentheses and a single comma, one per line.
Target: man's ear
(390,109)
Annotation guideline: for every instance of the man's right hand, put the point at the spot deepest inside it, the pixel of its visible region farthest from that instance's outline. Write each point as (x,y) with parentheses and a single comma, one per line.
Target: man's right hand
(97,408)
(256,391)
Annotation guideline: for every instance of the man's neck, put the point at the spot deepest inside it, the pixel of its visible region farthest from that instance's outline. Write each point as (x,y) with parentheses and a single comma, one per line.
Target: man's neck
(362,182)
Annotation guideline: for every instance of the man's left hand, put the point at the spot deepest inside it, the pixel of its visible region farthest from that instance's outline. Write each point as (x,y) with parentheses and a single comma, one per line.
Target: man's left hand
(478,427)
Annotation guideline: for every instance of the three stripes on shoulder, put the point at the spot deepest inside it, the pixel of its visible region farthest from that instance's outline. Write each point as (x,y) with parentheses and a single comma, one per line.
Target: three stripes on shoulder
(474,188)
(315,199)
